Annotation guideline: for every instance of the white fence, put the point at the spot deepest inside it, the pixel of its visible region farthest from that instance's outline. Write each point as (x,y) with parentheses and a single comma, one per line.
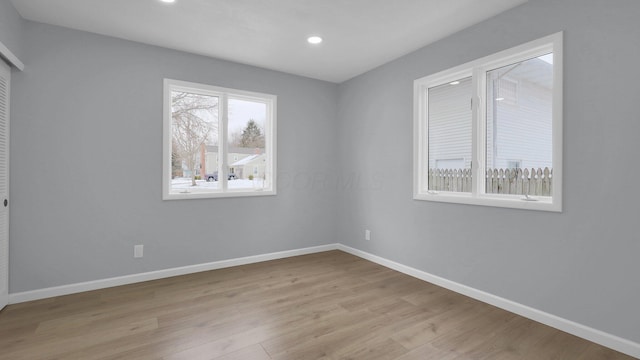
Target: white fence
(499,181)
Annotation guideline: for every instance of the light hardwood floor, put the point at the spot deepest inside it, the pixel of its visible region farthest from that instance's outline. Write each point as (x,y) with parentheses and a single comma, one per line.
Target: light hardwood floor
(329,305)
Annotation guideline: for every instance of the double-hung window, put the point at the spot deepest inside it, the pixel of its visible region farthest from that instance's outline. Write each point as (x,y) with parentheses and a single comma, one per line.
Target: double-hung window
(489,132)
(218,142)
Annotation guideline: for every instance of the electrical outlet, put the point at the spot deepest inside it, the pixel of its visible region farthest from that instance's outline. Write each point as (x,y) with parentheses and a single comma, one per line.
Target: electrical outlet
(138,251)
(367,234)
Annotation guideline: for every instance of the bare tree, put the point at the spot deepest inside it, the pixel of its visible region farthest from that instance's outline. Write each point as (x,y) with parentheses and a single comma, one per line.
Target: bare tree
(176,162)
(194,118)
(236,139)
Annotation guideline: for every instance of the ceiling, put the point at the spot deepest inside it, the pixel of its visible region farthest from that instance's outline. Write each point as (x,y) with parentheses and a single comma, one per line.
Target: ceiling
(359,35)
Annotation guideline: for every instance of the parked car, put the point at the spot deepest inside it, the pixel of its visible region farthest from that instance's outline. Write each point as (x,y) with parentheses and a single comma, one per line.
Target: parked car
(214,176)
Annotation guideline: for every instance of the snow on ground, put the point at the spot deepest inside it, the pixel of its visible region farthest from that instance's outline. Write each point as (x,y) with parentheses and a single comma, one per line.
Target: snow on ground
(184,184)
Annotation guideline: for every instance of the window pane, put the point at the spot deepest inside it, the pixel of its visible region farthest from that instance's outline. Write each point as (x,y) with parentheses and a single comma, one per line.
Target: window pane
(247,158)
(194,142)
(450,121)
(519,128)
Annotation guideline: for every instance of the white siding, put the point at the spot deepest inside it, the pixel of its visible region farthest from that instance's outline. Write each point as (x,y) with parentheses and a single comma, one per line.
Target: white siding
(523,119)
(450,124)
(524,124)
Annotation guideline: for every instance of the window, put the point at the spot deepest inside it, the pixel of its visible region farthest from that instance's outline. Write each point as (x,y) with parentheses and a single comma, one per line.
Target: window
(490,132)
(450,163)
(514,164)
(213,139)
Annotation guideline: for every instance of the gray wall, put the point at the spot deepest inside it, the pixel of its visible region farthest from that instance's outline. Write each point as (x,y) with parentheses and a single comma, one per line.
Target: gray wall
(581,264)
(86,163)
(86,167)
(11,28)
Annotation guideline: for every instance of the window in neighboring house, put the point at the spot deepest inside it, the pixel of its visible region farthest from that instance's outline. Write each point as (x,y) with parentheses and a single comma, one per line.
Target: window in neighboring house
(201,124)
(514,164)
(450,163)
(516,113)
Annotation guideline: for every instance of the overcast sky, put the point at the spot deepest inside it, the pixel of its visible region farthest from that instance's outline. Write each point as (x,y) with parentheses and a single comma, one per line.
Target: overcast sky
(241,111)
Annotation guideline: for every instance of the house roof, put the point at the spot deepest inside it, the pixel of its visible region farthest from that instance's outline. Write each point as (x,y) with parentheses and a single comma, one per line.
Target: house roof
(236,150)
(536,71)
(246,160)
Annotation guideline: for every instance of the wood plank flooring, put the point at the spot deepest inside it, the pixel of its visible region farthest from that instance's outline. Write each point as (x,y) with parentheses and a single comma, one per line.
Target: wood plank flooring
(329,305)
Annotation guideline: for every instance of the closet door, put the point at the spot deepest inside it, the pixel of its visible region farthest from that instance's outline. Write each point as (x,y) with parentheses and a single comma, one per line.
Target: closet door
(5,75)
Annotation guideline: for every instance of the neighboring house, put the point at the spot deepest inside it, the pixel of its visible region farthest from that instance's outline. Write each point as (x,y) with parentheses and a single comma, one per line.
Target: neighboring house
(235,154)
(251,165)
(519,120)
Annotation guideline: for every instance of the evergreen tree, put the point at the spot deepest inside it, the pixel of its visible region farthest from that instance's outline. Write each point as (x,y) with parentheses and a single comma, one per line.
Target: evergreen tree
(252,136)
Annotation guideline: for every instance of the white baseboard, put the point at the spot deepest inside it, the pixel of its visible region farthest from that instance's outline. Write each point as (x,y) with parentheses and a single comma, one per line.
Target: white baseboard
(160,274)
(599,337)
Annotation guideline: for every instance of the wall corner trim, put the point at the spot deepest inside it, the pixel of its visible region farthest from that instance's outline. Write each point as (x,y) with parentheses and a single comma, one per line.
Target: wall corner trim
(10,57)
(599,337)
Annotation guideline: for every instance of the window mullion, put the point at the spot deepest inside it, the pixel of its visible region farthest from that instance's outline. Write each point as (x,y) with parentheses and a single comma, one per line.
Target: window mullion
(478,132)
(222,133)
(270,143)
(422,126)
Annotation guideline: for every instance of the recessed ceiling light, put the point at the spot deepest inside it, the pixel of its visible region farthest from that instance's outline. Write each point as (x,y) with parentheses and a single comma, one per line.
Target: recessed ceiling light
(314,40)
(168,1)
(454,83)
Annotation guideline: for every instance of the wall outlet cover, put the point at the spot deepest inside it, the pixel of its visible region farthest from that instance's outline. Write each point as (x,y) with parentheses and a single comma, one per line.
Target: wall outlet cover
(138,251)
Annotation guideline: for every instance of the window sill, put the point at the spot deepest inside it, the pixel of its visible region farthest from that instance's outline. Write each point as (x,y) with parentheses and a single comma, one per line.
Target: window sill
(505,201)
(215,195)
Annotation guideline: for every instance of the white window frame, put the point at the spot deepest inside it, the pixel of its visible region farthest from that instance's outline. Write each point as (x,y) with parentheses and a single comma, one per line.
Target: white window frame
(477,70)
(224,94)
